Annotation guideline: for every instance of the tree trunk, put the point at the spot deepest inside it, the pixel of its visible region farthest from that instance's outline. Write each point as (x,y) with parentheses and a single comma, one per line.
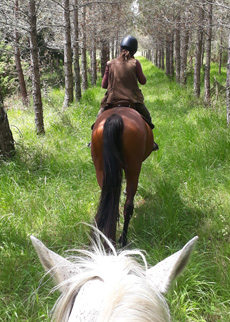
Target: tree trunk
(203,51)
(112,49)
(162,58)
(17,56)
(171,55)
(228,83)
(155,57)
(36,87)
(83,54)
(67,55)
(207,97)
(77,76)
(220,51)
(152,56)
(6,137)
(167,55)
(198,55)
(159,58)
(103,57)
(93,63)
(177,50)
(184,56)
(108,52)
(117,47)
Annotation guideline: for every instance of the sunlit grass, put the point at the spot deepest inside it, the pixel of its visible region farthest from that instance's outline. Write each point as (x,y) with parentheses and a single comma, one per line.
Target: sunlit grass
(50,187)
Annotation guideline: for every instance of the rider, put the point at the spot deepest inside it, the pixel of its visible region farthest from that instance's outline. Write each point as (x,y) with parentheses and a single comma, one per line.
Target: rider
(121,79)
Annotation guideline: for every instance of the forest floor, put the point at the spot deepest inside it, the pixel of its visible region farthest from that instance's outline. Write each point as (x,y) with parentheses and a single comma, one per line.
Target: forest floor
(50,188)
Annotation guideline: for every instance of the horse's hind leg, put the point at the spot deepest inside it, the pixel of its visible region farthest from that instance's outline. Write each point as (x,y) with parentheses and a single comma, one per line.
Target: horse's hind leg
(128,212)
(128,207)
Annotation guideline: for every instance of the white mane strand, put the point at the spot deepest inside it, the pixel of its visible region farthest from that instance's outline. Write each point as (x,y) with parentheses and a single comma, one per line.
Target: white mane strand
(127,294)
(102,286)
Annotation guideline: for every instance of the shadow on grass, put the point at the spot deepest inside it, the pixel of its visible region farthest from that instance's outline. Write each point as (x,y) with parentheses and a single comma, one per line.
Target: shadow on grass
(163,219)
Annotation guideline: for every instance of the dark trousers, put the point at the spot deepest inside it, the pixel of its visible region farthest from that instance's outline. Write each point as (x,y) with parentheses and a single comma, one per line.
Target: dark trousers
(139,107)
(142,109)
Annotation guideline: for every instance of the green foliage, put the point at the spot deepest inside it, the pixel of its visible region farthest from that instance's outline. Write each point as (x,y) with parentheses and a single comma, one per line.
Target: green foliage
(50,187)
(7,70)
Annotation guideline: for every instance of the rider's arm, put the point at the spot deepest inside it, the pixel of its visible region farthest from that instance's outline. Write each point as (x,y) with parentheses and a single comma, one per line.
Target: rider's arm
(104,83)
(140,76)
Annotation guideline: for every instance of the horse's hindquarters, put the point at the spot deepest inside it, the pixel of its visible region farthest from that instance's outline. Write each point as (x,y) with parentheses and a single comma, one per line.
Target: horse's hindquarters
(120,139)
(97,152)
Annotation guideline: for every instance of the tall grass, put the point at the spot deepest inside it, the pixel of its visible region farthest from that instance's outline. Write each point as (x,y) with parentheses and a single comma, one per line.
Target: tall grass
(50,187)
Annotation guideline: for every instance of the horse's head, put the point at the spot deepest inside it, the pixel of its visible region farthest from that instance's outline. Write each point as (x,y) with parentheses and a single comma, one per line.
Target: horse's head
(100,287)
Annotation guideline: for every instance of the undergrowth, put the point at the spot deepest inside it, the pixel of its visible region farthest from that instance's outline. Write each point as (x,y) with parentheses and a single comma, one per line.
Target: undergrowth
(50,187)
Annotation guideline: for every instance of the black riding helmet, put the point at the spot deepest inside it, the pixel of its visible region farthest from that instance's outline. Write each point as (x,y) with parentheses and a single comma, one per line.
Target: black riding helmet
(129,43)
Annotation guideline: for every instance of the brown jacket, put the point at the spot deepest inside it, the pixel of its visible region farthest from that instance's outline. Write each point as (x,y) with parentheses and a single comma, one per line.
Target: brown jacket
(122,82)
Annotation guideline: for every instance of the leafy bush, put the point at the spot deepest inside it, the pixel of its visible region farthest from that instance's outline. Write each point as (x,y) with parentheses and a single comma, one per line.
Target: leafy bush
(8,81)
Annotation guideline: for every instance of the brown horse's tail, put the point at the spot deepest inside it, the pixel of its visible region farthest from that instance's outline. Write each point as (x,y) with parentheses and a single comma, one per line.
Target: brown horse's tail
(108,210)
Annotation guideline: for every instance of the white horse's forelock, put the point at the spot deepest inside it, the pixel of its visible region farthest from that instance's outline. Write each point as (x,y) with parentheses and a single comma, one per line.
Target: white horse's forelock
(125,294)
(110,286)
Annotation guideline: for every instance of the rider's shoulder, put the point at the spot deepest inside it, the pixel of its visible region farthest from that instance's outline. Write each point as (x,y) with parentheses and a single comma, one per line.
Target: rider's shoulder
(112,61)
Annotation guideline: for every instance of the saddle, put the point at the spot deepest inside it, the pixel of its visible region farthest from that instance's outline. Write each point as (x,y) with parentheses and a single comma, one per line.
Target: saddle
(125,103)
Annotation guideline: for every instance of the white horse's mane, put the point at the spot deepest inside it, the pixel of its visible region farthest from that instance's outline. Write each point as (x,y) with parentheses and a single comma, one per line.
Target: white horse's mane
(105,285)
(129,296)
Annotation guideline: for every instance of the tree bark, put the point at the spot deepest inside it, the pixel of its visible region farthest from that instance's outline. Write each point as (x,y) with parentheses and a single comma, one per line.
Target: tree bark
(36,87)
(167,54)
(159,57)
(117,47)
(6,137)
(112,49)
(83,53)
(67,55)
(156,56)
(162,58)
(177,50)
(208,55)
(17,56)
(198,55)
(171,55)
(220,51)
(184,56)
(108,52)
(103,57)
(77,76)
(93,63)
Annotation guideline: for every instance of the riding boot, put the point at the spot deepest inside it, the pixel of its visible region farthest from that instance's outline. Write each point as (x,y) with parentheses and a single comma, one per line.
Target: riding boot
(155,146)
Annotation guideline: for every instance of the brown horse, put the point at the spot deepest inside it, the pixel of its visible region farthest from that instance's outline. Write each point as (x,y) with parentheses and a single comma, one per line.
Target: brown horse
(121,140)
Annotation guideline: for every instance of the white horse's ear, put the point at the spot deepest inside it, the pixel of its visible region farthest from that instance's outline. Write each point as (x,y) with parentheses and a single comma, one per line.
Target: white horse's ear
(165,272)
(58,267)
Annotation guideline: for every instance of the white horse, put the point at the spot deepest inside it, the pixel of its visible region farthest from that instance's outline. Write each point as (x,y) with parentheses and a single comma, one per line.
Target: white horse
(101,287)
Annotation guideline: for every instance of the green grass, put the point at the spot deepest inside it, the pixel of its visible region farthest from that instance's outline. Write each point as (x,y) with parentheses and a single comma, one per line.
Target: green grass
(50,187)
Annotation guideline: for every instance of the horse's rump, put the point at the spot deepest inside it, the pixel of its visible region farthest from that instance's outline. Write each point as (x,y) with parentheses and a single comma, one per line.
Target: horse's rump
(137,135)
